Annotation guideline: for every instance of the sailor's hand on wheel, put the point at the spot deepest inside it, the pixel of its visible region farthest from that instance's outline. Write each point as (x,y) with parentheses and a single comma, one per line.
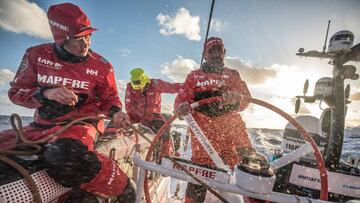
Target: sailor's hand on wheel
(183,109)
(121,120)
(230,97)
(62,95)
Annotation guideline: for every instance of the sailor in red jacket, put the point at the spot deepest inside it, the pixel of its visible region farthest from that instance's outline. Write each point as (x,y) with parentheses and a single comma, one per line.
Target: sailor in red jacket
(143,98)
(143,102)
(221,122)
(63,81)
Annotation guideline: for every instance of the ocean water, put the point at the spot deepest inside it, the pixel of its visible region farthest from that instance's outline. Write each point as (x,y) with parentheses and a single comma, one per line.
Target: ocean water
(5,122)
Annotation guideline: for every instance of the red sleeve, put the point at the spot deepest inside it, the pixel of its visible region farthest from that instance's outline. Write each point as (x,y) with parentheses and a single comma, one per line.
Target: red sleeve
(166,87)
(25,85)
(187,92)
(129,107)
(240,87)
(107,92)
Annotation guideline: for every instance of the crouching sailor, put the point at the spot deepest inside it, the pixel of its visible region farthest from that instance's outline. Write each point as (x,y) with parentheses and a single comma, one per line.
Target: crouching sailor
(143,102)
(64,81)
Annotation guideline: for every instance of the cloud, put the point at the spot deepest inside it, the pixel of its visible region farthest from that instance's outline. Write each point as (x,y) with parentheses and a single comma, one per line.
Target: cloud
(355,96)
(6,76)
(178,69)
(217,25)
(21,16)
(252,75)
(353,114)
(4,99)
(121,85)
(123,51)
(8,108)
(167,108)
(304,110)
(181,24)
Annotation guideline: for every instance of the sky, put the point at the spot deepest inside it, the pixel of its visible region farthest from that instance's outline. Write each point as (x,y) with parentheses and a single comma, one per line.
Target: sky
(165,38)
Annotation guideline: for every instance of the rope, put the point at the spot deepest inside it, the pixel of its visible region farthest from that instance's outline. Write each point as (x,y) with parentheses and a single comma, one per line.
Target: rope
(141,134)
(37,148)
(16,124)
(19,131)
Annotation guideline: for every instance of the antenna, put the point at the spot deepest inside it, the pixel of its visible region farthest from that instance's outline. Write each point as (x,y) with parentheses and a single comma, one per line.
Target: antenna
(208,27)
(327,32)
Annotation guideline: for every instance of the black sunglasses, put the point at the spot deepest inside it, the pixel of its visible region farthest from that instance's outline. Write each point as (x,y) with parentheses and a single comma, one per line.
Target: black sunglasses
(136,82)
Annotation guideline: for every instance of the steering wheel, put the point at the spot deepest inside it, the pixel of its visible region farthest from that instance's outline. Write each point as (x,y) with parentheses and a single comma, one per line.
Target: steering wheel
(319,160)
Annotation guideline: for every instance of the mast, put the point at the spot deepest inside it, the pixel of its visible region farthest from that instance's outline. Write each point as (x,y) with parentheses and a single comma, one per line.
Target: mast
(208,27)
(338,110)
(336,136)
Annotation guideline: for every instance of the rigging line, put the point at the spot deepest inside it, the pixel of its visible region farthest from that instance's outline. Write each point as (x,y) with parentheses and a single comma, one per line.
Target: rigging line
(140,133)
(208,28)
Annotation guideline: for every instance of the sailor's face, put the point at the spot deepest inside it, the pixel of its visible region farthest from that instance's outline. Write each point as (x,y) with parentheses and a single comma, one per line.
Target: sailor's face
(79,46)
(215,55)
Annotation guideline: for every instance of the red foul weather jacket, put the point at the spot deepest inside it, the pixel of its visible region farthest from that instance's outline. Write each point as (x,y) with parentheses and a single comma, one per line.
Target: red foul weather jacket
(223,127)
(143,106)
(92,79)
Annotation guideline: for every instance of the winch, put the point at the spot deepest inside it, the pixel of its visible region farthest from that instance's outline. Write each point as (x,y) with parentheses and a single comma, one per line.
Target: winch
(254,173)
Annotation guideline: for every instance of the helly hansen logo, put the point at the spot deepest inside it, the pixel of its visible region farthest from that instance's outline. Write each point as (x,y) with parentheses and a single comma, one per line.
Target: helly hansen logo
(91,72)
(57,80)
(49,64)
(58,25)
